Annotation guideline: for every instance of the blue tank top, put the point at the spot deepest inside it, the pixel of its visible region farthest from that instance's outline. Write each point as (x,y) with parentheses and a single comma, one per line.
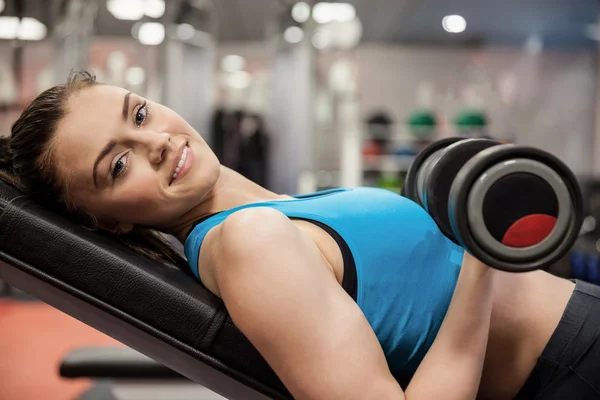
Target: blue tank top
(406,269)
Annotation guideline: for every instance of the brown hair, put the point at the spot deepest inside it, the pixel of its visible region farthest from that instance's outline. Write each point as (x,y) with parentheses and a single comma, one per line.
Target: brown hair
(26,162)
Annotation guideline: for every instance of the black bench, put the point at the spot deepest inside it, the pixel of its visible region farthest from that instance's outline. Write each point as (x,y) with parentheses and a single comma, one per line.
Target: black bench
(121,373)
(159,311)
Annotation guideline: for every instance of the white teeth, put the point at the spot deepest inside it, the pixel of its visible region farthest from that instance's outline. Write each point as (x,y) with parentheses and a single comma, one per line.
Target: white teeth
(181,161)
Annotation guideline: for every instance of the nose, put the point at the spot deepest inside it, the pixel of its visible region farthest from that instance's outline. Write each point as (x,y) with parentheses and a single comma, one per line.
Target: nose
(158,145)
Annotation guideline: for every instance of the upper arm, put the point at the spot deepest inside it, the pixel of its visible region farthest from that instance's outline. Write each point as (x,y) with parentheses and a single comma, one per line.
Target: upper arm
(288,303)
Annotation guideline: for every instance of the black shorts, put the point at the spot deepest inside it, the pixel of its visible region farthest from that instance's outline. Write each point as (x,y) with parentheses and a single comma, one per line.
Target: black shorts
(569,367)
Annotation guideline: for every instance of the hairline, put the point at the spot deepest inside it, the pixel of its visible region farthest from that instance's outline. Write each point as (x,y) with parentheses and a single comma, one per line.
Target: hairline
(49,157)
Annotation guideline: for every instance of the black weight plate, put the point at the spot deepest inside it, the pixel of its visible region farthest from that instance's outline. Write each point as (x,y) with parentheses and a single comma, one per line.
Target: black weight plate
(409,189)
(473,169)
(443,172)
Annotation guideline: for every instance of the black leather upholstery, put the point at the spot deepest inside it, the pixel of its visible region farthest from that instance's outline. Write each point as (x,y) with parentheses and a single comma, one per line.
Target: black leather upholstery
(165,303)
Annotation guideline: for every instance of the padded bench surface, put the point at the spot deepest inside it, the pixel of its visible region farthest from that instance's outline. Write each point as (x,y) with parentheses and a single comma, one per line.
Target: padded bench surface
(164,303)
(114,363)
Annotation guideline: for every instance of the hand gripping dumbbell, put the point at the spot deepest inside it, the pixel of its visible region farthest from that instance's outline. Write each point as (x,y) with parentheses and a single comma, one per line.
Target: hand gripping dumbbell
(515,208)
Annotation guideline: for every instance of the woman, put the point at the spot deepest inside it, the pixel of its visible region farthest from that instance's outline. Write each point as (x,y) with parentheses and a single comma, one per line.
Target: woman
(345,293)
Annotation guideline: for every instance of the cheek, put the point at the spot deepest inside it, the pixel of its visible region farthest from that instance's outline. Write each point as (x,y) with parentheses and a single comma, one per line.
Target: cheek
(136,199)
(142,190)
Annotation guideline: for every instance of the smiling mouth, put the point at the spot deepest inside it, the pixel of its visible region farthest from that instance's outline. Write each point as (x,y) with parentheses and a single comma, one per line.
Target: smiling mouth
(186,148)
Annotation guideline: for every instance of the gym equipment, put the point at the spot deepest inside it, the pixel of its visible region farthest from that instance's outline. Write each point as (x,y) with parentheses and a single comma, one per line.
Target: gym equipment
(413,189)
(422,124)
(440,175)
(159,311)
(404,150)
(585,265)
(592,267)
(122,373)
(389,181)
(379,127)
(578,269)
(471,123)
(515,208)
(371,149)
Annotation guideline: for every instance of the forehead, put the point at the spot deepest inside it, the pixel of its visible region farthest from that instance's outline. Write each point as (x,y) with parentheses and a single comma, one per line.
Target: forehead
(88,107)
(93,118)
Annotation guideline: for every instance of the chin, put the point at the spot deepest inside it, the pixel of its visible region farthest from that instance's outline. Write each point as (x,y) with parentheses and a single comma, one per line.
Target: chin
(210,166)
(210,179)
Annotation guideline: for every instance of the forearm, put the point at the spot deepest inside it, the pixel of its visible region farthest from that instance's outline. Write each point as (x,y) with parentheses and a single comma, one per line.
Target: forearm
(453,366)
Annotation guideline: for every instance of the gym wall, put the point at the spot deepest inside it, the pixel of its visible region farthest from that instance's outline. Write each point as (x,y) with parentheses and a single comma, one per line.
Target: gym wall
(546,99)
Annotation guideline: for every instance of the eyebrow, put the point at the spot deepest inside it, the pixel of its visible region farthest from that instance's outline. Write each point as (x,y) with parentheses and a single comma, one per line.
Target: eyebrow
(111,145)
(107,149)
(126,106)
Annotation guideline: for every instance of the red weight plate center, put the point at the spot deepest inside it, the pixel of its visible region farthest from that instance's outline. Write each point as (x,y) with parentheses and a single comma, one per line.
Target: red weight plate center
(529,230)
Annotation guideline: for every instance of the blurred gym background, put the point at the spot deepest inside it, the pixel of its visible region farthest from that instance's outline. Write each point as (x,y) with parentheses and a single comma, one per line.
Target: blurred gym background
(301,96)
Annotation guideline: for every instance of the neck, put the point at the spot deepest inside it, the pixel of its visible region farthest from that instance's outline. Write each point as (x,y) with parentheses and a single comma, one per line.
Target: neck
(231,190)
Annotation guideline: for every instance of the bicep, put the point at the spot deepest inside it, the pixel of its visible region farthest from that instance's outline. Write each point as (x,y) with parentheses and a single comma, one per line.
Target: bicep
(282,296)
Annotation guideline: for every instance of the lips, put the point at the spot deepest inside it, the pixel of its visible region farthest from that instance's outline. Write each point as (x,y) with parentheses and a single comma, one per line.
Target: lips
(178,162)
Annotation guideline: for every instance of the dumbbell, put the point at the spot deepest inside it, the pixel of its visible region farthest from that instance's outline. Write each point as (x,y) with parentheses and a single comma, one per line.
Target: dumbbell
(515,208)
(419,170)
(435,164)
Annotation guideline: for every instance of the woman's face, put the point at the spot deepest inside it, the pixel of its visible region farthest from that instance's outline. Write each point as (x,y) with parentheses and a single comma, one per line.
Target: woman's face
(132,161)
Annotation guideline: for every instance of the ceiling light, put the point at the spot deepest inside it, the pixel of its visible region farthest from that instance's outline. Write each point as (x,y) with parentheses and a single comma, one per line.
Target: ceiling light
(2,5)
(185,31)
(321,39)
(151,33)
(301,12)
(454,23)
(9,27)
(344,12)
(155,8)
(293,34)
(338,35)
(24,29)
(130,10)
(32,29)
(117,61)
(135,30)
(239,80)
(233,63)
(135,76)
(324,13)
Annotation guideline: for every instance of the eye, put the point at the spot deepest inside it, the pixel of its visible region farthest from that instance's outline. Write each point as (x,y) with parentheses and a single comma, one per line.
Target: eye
(119,167)
(141,114)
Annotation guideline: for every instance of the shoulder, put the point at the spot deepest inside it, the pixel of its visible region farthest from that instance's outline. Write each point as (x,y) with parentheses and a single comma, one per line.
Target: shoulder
(247,234)
(251,229)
